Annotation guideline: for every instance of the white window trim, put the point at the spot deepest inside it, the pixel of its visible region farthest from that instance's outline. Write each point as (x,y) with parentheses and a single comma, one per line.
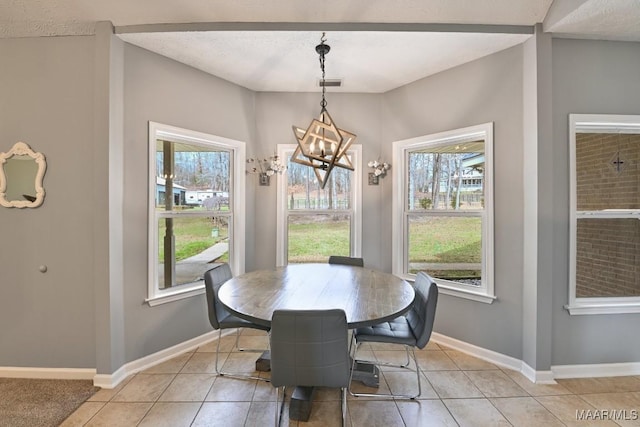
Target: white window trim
(281,202)
(236,244)
(399,249)
(595,123)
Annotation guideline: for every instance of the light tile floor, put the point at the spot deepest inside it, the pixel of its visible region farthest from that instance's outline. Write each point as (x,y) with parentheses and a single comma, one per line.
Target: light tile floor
(457,390)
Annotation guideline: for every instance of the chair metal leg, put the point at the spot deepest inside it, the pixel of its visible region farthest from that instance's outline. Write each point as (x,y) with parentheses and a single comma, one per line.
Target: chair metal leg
(382,363)
(279,407)
(232,374)
(343,404)
(417,373)
(390,395)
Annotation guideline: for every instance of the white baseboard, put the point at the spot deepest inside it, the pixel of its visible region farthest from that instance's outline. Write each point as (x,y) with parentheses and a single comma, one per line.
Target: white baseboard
(47,373)
(112,380)
(538,377)
(596,370)
(479,352)
(541,377)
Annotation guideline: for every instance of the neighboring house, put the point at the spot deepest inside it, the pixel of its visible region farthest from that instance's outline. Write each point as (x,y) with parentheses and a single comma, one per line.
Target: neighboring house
(179,193)
(197,197)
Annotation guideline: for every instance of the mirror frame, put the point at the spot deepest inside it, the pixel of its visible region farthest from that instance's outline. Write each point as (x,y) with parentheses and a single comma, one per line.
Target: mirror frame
(22,149)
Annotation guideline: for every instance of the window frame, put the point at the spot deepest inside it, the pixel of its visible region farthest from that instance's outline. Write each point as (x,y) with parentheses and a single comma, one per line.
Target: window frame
(400,213)
(282,210)
(236,214)
(595,123)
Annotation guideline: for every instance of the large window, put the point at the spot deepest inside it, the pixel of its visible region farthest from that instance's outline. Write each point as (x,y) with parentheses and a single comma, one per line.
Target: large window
(443,210)
(194,215)
(314,223)
(605,214)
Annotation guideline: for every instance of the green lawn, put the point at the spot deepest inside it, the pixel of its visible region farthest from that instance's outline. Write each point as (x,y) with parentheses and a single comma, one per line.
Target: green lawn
(192,236)
(445,240)
(431,240)
(315,241)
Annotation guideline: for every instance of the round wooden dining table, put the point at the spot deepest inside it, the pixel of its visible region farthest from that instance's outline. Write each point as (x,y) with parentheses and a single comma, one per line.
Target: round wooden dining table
(367,296)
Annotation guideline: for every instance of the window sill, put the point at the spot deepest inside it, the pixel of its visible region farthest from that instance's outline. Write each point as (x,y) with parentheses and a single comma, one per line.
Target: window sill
(603,308)
(466,294)
(176,295)
(445,287)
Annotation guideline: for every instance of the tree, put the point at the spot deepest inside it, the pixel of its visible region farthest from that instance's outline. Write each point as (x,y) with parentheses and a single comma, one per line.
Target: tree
(435,190)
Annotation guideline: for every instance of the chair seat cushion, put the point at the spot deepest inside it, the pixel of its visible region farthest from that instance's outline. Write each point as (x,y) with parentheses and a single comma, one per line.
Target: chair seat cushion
(228,320)
(396,331)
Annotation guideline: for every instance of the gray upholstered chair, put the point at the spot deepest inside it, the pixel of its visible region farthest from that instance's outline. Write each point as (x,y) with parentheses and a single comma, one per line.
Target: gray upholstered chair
(310,348)
(411,330)
(345,260)
(221,319)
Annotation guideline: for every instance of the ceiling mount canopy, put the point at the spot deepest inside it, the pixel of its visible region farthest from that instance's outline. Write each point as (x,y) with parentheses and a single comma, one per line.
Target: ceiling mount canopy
(323,145)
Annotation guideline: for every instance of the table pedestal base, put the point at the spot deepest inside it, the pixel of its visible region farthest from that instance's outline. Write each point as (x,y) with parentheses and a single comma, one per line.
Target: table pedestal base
(263,364)
(366,373)
(300,403)
(302,397)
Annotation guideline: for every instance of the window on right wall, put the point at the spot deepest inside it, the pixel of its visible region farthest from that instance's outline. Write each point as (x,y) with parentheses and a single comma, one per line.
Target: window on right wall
(443,210)
(605,214)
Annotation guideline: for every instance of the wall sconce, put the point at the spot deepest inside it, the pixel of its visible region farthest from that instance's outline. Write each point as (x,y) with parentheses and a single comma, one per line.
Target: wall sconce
(265,168)
(379,171)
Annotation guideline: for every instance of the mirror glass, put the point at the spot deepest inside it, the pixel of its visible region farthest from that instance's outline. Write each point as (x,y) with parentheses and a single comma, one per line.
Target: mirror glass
(21,174)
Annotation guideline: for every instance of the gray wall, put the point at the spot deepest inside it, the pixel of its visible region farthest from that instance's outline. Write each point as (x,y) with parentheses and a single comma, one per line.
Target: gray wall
(486,90)
(589,77)
(537,189)
(54,97)
(164,91)
(46,100)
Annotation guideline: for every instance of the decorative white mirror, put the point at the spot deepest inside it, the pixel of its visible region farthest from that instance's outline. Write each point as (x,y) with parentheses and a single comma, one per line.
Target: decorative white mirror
(21,174)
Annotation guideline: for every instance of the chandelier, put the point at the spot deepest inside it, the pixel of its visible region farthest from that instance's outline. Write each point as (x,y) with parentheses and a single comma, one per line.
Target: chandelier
(323,145)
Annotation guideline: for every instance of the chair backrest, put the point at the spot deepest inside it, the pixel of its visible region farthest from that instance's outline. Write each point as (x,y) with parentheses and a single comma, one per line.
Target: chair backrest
(345,260)
(309,348)
(423,312)
(213,279)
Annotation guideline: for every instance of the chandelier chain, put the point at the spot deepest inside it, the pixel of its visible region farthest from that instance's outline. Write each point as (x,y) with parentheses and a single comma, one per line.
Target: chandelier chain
(322,52)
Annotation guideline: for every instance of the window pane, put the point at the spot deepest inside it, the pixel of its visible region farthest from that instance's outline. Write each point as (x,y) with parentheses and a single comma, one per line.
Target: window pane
(304,192)
(447,177)
(607,258)
(446,247)
(196,241)
(196,176)
(313,238)
(607,176)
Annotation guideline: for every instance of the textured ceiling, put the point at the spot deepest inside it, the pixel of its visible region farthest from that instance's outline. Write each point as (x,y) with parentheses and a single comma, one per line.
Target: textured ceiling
(285,60)
(56,17)
(598,19)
